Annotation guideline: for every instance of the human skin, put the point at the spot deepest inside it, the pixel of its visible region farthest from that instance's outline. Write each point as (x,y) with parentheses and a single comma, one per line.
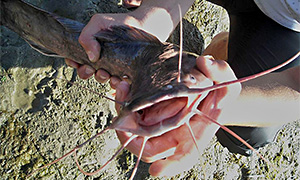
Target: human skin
(273,99)
(271,92)
(218,46)
(177,146)
(270,100)
(131,3)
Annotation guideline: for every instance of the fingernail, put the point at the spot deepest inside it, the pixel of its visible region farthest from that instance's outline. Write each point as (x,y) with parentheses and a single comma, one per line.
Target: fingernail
(89,70)
(103,75)
(72,64)
(91,56)
(114,81)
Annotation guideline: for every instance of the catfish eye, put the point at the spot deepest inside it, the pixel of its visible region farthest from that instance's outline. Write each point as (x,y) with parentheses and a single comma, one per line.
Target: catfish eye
(192,79)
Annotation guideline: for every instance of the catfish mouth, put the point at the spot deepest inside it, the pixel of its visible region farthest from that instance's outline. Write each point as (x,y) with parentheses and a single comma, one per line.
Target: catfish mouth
(162,111)
(159,116)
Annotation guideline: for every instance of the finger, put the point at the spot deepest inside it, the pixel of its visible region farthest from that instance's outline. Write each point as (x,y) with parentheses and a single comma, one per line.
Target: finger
(91,47)
(184,158)
(156,148)
(186,154)
(160,147)
(72,63)
(219,71)
(102,76)
(88,41)
(114,82)
(131,3)
(122,91)
(85,71)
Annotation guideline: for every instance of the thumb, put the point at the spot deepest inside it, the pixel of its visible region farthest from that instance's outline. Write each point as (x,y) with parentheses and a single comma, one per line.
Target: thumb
(88,41)
(217,70)
(91,47)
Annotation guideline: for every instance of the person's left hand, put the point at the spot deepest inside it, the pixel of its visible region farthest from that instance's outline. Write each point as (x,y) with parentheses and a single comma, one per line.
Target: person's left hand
(175,151)
(92,47)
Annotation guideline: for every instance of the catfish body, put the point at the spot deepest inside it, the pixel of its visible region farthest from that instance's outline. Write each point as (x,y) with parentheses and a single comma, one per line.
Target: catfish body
(151,66)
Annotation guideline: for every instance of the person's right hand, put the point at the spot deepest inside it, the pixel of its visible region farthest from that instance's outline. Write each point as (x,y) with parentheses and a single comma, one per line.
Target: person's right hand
(175,151)
(97,23)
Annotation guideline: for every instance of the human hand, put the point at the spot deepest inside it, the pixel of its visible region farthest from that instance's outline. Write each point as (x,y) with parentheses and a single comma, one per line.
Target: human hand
(97,23)
(175,151)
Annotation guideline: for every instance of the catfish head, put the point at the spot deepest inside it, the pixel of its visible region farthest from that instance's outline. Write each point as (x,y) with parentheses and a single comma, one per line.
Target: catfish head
(158,102)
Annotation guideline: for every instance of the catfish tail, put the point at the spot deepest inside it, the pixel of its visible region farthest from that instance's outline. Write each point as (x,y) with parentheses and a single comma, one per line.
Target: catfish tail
(47,33)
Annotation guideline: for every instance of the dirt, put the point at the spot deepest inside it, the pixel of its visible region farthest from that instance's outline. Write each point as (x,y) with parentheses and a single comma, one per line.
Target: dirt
(43,117)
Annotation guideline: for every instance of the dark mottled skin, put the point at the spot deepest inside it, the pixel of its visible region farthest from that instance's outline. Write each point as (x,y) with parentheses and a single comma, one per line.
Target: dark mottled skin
(152,66)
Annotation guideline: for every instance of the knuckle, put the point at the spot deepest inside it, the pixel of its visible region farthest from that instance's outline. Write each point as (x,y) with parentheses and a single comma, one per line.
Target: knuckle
(94,17)
(225,68)
(222,64)
(82,39)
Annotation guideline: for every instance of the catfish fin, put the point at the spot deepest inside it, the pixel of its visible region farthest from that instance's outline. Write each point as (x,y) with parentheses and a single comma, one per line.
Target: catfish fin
(69,24)
(126,34)
(42,49)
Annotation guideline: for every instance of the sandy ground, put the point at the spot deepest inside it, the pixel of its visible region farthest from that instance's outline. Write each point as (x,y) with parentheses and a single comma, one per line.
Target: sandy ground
(42,117)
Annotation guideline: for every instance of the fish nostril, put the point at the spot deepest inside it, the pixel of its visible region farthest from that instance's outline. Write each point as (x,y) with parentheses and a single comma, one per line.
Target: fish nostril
(141,112)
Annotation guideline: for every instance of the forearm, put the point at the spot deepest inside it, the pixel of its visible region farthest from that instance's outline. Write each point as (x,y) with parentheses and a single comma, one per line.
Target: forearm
(160,17)
(273,99)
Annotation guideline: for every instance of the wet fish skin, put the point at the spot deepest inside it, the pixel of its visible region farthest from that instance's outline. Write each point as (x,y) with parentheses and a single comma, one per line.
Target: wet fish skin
(43,30)
(152,66)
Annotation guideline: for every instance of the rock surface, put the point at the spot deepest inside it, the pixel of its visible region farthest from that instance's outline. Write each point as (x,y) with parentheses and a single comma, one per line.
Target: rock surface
(42,117)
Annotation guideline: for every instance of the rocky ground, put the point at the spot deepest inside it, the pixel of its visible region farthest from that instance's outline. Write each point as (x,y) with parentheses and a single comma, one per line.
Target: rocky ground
(42,117)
